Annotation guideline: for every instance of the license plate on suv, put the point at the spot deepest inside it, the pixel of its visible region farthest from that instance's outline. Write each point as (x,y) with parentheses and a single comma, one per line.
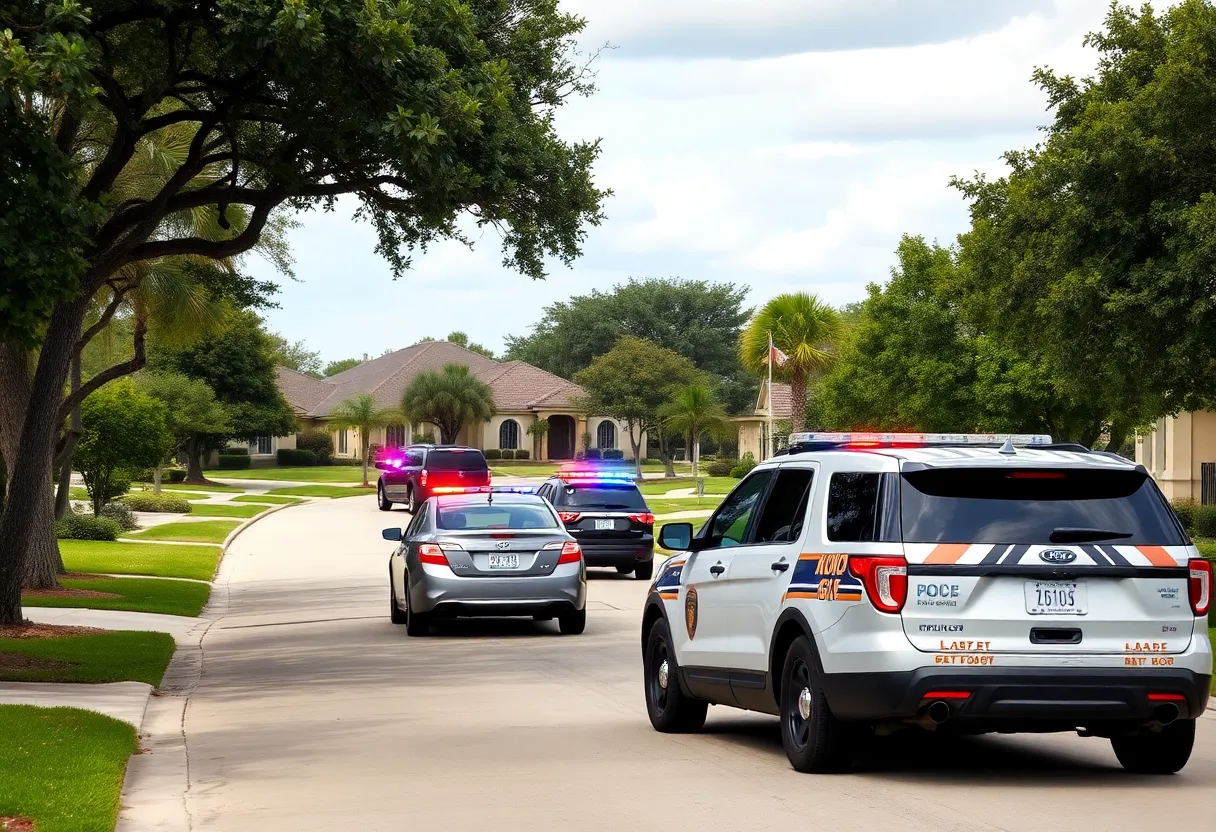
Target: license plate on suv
(604,524)
(504,561)
(1056,598)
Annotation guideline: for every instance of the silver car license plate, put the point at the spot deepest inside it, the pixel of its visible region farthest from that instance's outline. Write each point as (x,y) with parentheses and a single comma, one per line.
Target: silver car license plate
(504,561)
(605,525)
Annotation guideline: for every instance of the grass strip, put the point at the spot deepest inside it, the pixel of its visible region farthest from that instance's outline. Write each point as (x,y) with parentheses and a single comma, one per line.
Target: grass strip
(311,473)
(661,506)
(323,491)
(154,595)
(94,556)
(265,499)
(203,489)
(63,768)
(225,510)
(120,656)
(206,531)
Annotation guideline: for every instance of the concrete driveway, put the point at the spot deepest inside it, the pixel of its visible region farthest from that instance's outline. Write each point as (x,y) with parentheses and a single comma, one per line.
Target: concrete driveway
(315,713)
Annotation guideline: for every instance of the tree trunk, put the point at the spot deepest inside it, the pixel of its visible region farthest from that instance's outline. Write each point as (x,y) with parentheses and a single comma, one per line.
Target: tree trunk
(364,443)
(636,444)
(797,405)
(63,495)
(194,463)
(669,468)
(1118,435)
(157,477)
(26,526)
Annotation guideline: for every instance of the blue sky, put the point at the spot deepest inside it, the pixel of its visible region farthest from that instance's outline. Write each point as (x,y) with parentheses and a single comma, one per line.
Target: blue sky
(780,144)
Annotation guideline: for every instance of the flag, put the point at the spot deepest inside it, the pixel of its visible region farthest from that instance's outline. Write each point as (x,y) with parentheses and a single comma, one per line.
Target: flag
(777,357)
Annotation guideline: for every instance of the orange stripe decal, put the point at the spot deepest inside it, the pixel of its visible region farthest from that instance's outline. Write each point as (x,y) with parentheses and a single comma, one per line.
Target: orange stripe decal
(947,553)
(1157,555)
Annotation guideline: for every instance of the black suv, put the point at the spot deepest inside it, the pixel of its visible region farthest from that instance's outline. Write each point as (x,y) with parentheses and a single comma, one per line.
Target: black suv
(608,517)
(411,475)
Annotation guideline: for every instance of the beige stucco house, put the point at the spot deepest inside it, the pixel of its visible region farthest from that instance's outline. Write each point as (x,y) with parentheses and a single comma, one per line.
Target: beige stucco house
(753,428)
(1176,451)
(523,394)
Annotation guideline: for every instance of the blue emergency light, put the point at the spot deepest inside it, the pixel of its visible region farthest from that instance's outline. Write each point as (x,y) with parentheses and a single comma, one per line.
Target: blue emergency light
(914,440)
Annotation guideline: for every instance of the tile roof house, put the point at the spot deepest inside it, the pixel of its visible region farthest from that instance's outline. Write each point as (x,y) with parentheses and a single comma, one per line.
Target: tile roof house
(523,394)
(753,428)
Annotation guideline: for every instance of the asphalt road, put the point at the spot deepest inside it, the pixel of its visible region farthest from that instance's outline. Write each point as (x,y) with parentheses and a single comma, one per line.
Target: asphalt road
(315,713)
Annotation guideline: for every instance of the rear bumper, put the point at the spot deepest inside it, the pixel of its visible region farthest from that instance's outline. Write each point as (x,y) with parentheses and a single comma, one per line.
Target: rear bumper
(616,552)
(1030,699)
(447,594)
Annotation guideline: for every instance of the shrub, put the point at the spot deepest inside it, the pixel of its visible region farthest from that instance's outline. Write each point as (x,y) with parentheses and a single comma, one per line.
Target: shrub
(522,454)
(233,462)
(235,450)
(175,474)
(86,528)
(720,467)
(593,453)
(1205,521)
(295,456)
(319,442)
(350,461)
(508,453)
(1185,509)
(120,513)
(493,453)
(147,501)
(614,453)
(745,465)
(424,439)
(113,487)
(143,475)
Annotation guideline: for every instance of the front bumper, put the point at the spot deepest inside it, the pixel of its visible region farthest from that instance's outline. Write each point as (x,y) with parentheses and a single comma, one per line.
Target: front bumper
(616,552)
(436,589)
(1025,699)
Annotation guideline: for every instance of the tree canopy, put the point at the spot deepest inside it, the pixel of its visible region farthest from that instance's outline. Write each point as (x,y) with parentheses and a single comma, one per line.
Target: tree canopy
(360,412)
(695,318)
(461,339)
(124,429)
(448,399)
(295,355)
(341,366)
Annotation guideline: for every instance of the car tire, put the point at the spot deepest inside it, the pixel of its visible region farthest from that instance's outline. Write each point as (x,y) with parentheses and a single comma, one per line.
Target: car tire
(572,623)
(815,740)
(624,570)
(416,623)
(395,613)
(644,571)
(669,709)
(412,502)
(1153,752)
(382,499)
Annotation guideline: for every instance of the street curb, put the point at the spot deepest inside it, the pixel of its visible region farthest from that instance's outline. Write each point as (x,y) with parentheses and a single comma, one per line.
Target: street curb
(235,533)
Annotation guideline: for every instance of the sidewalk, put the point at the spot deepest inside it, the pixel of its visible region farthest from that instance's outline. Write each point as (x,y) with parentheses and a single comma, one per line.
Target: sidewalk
(121,700)
(177,626)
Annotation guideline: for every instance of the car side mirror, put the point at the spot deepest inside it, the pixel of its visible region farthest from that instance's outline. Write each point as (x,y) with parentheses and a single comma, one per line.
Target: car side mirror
(676,537)
(391,534)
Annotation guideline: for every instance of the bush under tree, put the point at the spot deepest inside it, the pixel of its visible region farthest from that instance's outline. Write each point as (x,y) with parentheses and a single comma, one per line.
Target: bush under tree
(122,429)
(80,527)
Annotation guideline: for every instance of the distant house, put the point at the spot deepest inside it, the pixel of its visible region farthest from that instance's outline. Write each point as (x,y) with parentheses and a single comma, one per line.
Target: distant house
(1180,453)
(753,428)
(523,394)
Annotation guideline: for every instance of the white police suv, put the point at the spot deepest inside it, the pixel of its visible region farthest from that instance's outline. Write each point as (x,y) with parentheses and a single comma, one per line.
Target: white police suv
(954,582)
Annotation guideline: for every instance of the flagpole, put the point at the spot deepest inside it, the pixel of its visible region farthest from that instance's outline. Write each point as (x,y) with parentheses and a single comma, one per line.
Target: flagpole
(768,450)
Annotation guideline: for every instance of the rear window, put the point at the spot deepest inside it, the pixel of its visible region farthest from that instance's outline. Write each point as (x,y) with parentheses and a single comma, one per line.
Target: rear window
(456,461)
(607,497)
(994,505)
(486,517)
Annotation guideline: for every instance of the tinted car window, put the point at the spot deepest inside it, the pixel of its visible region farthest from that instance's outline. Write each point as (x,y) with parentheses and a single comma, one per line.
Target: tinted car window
(417,523)
(453,460)
(414,459)
(601,496)
(785,509)
(997,505)
(853,507)
(477,517)
(729,524)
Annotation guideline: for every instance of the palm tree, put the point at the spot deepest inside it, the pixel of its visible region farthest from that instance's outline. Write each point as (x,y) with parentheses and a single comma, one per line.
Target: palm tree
(806,330)
(362,414)
(447,399)
(693,411)
(538,430)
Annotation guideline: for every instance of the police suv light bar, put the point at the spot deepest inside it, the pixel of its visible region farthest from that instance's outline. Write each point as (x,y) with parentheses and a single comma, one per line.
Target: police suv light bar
(884,439)
(512,489)
(584,473)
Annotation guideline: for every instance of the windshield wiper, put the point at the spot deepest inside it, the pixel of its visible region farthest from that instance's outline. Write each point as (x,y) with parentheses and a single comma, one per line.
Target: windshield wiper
(1074,535)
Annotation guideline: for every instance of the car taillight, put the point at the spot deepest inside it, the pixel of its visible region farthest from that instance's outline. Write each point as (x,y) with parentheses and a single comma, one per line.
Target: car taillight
(1200,586)
(432,554)
(569,516)
(571,553)
(645,519)
(885,580)
(422,477)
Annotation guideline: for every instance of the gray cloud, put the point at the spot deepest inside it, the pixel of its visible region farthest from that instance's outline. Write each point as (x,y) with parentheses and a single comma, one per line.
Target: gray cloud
(770,28)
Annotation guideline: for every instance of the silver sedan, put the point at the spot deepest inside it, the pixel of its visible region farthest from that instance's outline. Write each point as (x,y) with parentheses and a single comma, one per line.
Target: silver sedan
(489,554)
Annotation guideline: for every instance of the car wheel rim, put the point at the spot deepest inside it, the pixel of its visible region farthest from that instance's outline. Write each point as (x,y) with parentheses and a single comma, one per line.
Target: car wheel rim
(660,677)
(799,704)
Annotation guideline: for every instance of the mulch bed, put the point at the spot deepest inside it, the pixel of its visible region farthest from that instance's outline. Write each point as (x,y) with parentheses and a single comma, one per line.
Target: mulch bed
(16,825)
(16,661)
(31,630)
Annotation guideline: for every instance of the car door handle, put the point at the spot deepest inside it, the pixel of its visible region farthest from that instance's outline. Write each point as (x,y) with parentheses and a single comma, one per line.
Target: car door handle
(781,565)
(717,569)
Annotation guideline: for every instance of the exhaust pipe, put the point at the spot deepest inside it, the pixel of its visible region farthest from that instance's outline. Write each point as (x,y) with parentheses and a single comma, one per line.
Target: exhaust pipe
(939,712)
(1166,713)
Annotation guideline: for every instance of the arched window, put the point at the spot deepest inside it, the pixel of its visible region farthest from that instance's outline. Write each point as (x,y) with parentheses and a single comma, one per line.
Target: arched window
(508,435)
(605,436)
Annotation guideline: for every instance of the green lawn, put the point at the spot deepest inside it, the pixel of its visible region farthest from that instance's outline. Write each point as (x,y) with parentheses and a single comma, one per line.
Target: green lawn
(207,531)
(310,473)
(95,556)
(264,498)
(106,657)
(510,468)
(81,494)
(222,510)
(63,768)
(661,506)
(323,491)
(134,594)
(201,489)
(1206,547)
(713,485)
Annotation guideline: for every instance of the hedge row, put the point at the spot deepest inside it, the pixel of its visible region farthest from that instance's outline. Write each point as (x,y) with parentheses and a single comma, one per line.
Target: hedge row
(507,453)
(601,453)
(147,501)
(295,457)
(1199,520)
(86,528)
(234,462)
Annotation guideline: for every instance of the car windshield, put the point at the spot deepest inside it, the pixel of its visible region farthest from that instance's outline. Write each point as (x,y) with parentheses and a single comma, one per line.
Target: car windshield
(455,460)
(485,517)
(602,496)
(997,505)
